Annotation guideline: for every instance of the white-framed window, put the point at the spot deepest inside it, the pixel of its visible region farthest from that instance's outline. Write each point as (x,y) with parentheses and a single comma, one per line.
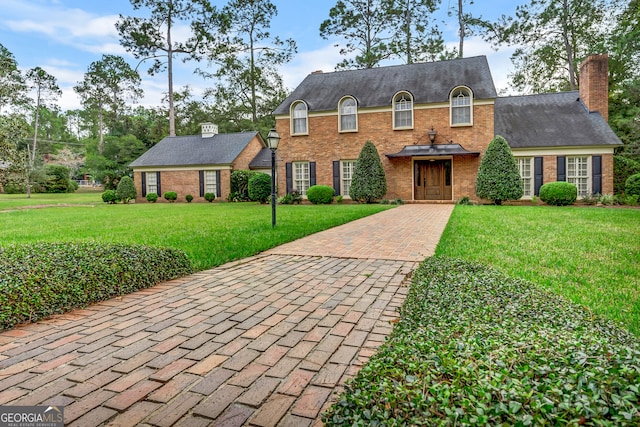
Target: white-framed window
(579,173)
(348,114)
(346,175)
(403,111)
(210,184)
(301,177)
(299,116)
(461,107)
(152,182)
(525,166)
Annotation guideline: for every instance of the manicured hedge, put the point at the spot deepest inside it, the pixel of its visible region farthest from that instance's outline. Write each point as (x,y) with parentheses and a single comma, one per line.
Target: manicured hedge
(320,194)
(559,193)
(38,280)
(476,347)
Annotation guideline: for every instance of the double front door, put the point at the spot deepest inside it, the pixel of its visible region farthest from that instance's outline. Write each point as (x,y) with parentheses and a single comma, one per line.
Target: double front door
(432,180)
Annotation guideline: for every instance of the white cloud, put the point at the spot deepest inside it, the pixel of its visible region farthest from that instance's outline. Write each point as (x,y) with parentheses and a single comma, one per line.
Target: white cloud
(304,63)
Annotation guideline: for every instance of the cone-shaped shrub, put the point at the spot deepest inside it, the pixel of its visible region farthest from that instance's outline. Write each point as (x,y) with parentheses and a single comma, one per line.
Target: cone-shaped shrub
(368,182)
(498,176)
(126,189)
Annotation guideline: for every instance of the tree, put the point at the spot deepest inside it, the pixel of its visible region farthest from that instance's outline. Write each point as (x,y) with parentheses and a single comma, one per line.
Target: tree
(366,29)
(249,64)
(46,89)
(12,129)
(416,38)
(12,86)
(152,38)
(624,117)
(57,179)
(368,182)
(552,38)
(498,176)
(126,189)
(624,47)
(107,85)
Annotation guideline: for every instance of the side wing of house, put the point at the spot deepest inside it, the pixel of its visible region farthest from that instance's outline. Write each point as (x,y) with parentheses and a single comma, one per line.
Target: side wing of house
(194,164)
(554,137)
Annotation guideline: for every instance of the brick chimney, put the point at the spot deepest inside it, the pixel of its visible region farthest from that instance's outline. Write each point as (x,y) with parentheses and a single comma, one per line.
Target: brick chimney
(594,84)
(209,130)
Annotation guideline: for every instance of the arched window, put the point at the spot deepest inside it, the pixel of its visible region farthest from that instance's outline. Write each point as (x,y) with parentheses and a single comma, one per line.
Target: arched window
(299,118)
(348,111)
(403,111)
(461,107)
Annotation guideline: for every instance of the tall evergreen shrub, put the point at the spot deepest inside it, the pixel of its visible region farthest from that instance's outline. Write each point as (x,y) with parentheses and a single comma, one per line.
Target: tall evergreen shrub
(126,189)
(369,182)
(498,176)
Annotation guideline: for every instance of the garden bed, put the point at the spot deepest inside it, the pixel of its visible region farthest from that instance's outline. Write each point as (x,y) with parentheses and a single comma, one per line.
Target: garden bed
(476,347)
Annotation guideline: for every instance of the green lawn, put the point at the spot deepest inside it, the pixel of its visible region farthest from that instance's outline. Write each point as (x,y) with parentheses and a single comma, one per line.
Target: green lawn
(589,255)
(210,233)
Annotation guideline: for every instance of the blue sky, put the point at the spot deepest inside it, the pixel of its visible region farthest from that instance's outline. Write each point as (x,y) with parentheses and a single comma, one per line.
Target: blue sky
(65,36)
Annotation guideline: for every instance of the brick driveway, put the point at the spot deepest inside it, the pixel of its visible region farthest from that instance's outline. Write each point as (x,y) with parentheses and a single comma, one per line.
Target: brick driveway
(263,341)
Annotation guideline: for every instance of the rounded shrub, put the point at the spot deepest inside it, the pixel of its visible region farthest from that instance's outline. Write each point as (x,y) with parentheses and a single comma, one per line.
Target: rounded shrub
(152,197)
(189,198)
(171,196)
(209,197)
(559,193)
(110,197)
(632,185)
(320,194)
(260,187)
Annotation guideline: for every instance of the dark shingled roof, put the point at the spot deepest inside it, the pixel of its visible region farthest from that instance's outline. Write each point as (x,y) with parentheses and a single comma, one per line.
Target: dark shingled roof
(375,87)
(220,149)
(262,159)
(550,120)
(433,150)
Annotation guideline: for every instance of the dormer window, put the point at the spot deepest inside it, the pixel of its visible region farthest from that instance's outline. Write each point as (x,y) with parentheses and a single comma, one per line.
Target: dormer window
(348,114)
(403,111)
(461,107)
(299,117)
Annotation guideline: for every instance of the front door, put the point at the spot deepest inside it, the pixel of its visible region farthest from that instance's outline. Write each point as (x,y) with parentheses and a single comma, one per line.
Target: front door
(432,180)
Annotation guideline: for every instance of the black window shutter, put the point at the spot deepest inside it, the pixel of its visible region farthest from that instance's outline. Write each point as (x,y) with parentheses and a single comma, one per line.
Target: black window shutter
(201,182)
(312,174)
(218,190)
(289,171)
(596,169)
(538,175)
(158,182)
(336,176)
(143,177)
(562,168)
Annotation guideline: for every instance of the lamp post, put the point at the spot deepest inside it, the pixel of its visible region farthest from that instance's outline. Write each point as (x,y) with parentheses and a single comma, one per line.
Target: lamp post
(272,141)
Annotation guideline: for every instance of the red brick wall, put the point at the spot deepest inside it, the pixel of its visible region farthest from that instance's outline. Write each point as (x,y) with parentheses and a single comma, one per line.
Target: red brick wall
(324,144)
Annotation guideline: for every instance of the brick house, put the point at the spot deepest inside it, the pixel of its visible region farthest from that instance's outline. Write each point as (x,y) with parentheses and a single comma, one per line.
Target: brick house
(432,122)
(197,164)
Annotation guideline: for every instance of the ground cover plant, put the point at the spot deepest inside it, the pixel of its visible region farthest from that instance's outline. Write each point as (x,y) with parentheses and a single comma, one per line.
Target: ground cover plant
(41,279)
(210,234)
(589,255)
(475,346)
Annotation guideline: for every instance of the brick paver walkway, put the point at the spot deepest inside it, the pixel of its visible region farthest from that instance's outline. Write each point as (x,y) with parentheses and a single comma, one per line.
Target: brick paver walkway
(264,341)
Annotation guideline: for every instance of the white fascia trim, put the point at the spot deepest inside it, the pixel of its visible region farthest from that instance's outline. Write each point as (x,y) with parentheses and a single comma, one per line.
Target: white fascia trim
(562,151)
(181,168)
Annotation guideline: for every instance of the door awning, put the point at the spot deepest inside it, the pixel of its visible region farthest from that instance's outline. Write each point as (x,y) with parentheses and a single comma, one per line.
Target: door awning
(433,150)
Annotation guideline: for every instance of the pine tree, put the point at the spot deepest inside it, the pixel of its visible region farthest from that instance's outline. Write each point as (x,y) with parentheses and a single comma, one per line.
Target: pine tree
(498,176)
(368,182)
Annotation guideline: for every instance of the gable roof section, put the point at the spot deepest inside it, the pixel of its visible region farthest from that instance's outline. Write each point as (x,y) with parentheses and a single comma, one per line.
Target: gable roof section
(550,120)
(428,82)
(220,149)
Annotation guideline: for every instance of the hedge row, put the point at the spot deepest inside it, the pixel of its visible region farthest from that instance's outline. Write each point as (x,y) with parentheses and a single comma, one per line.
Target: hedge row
(38,280)
(475,347)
